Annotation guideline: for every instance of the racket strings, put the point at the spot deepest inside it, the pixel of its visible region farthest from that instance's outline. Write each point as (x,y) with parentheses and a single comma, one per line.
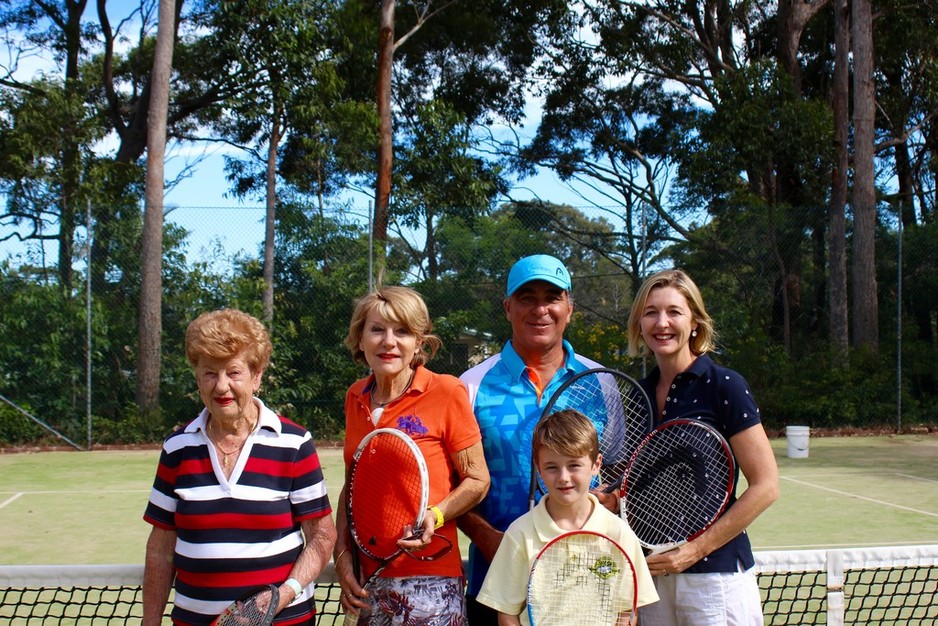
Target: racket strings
(620,411)
(384,494)
(582,578)
(257,609)
(677,484)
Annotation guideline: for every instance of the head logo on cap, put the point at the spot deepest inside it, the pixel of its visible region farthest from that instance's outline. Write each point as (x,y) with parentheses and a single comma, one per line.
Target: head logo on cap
(538,267)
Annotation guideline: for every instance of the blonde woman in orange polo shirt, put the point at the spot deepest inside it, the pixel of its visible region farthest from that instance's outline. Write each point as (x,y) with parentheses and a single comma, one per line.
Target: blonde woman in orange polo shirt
(391,332)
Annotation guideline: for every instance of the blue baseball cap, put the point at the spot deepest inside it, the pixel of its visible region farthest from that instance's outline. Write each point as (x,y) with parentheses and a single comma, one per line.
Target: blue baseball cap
(538,267)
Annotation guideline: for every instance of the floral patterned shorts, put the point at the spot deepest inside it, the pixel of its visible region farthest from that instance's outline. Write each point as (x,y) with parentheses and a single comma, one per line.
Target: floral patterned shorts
(417,601)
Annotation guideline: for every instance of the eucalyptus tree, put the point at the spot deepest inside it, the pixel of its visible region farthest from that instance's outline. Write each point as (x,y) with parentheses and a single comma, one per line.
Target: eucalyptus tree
(282,46)
(437,176)
(52,29)
(151,248)
(475,56)
(863,271)
(906,123)
(690,113)
(102,65)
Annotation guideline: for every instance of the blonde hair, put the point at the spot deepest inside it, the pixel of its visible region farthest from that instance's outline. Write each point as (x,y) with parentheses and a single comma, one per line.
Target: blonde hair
(705,339)
(401,305)
(226,334)
(567,432)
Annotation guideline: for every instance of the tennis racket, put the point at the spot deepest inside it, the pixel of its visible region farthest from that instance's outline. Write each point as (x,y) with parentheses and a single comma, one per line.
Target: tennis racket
(388,491)
(618,407)
(582,577)
(256,608)
(678,483)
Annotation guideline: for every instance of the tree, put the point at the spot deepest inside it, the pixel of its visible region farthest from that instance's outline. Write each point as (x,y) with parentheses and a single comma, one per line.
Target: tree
(840,100)
(386,45)
(689,113)
(283,45)
(865,299)
(437,176)
(65,30)
(151,249)
(473,55)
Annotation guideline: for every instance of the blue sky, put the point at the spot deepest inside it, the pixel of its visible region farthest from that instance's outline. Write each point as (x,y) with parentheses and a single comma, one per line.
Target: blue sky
(236,225)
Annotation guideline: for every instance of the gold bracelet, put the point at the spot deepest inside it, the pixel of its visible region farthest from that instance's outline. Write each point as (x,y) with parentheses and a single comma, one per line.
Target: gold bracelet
(438,514)
(336,559)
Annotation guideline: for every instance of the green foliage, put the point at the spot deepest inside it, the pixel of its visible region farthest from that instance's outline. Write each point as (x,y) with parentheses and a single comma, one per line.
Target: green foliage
(321,269)
(813,392)
(719,163)
(131,427)
(17,429)
(43,331)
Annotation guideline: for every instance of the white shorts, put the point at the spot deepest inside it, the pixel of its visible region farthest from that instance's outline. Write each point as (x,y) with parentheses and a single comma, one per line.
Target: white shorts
(705,600)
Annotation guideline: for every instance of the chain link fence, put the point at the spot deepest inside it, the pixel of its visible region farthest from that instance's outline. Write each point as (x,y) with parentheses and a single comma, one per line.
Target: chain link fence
(68,341)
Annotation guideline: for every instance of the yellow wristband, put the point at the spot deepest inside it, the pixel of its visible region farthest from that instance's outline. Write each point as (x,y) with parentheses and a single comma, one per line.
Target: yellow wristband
(438,514)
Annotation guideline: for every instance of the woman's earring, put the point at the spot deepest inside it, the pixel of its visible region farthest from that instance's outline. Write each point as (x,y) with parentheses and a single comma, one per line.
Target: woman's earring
(693,333)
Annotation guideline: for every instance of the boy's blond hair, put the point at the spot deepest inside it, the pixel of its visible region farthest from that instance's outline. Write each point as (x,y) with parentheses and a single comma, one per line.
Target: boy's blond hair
(567,432)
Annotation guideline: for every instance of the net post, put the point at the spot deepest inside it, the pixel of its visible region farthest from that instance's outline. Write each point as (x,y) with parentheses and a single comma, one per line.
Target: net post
(836,603)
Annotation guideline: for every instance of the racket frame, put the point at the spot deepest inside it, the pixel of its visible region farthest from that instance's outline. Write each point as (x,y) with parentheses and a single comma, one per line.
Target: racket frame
(535,486)
(385,561)
(726,487)
(566,536)
(423,499)
(232,612)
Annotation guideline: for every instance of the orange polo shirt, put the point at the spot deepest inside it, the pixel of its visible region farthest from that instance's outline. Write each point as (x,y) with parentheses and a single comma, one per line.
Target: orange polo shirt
(435,412)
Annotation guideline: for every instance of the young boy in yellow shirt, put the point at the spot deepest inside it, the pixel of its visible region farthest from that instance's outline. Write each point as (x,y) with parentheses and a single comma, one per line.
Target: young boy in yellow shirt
(566,454)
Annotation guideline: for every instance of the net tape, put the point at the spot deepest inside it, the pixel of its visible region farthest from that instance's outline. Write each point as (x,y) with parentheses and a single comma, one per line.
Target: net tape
(886,585)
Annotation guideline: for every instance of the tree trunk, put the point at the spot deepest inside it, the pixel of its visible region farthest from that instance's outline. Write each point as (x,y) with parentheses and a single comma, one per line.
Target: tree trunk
(840,100)
(865,313)
(793,18)
(71,163)
(385,142)
(151,249)
(270,220)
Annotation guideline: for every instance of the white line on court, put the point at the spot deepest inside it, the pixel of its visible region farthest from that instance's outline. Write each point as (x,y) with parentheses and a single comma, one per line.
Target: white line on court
(11,499)
(854,474)
(909,476)
(853,495)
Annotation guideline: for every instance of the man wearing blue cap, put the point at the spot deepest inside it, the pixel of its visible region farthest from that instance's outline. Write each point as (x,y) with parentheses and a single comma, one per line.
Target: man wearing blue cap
(508,392)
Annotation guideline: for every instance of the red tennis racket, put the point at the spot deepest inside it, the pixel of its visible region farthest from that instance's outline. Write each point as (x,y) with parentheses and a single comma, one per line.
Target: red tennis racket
(618,407)
(388,493)
(256,608)
(582,577)
(678,483)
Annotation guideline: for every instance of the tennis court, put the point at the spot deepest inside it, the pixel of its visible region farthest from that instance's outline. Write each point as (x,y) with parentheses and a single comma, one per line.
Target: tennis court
(851,492)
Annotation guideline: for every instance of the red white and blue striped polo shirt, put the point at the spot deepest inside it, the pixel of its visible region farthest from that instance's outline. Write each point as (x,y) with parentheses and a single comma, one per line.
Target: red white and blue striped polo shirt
(235,534)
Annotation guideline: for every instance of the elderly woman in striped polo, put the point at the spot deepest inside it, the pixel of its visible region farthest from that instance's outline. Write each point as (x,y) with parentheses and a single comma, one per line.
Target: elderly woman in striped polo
(239,498)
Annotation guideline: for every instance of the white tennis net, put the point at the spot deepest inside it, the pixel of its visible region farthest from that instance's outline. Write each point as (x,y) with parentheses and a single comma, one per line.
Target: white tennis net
(894,585)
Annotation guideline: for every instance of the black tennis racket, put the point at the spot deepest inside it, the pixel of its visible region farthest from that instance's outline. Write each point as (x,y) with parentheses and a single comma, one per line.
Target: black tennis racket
(678,483)
(388,492)
(618,407)
(582,577)
(255,608)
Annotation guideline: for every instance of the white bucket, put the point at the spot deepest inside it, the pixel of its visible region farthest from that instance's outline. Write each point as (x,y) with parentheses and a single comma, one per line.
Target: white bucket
(798,441)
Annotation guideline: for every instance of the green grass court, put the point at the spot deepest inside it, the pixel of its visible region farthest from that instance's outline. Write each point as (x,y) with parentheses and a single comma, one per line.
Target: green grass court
(86,507)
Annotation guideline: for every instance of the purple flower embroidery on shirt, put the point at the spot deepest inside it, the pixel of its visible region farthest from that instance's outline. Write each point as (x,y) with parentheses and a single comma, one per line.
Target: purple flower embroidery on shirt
(411,425)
